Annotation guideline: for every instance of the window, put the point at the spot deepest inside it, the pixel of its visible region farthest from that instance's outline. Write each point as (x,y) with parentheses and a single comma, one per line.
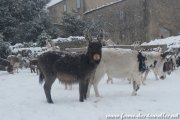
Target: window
(78,3)
(121,14)
(65,8)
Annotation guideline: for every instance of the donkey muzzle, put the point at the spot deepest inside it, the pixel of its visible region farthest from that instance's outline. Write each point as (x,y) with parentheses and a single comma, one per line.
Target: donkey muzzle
(96,57)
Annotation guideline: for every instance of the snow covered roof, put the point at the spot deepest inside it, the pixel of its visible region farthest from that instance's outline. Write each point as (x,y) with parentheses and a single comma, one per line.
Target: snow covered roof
(105,5)
(172,42)
(53,2)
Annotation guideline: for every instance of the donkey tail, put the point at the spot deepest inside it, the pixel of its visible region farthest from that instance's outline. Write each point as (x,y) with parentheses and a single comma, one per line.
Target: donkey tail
(41,78)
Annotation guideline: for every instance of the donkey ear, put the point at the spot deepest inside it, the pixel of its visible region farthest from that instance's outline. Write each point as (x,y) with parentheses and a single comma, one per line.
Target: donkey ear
(163,55)
(87,35)
(100,36)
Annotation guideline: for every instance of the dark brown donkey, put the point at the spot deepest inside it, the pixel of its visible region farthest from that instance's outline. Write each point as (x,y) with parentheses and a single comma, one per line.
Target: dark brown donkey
(7,65)
(70,67)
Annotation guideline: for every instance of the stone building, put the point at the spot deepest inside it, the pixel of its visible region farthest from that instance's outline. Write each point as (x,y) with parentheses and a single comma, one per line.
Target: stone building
(163,18)
(77,7)
(126,20)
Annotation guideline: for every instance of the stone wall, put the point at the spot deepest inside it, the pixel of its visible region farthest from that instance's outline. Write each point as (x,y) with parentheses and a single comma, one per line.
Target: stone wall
(164,18)
(56,12)
(139,20)
(124,21)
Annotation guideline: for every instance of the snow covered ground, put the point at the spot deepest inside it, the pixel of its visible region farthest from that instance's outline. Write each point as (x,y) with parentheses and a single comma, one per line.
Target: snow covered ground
(22,98)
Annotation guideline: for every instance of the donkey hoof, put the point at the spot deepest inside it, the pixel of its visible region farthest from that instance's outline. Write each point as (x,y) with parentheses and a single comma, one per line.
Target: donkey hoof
(144,83)
(134,94)
(88,96)
(81,100)
(50,101)
(98,95)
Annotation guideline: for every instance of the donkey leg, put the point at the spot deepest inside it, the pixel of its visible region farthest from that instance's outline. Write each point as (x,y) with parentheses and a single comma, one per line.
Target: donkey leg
(66,86)
(70,87)
(109,79)
(47,89)
(155,73)
(81,89)
(85,89)
(145,76)
(37,71)
(135,88)
(95,85)
(89,89)
(31,70)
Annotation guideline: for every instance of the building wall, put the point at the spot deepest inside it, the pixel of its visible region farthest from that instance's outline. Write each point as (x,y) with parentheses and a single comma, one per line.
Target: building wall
(56,12)
(72,7)
(139,20)
(124,21)
(164,18)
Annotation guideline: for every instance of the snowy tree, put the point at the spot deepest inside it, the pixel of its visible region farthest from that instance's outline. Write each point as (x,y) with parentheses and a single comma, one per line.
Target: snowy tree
(95,26)
(4,48)
(1,37)
(41,41)
(73,26)
(22,20)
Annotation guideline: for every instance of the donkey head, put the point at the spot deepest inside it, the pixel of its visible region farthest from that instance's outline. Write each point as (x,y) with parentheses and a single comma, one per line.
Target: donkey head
(9,69)
(94,47)
(168,66)
(160,69)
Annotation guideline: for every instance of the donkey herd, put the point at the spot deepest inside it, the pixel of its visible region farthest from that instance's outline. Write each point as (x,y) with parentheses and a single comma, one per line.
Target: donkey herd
(88,67)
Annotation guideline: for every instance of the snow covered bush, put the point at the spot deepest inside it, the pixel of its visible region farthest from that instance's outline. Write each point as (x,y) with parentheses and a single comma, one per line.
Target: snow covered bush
(42,39)
(70,42)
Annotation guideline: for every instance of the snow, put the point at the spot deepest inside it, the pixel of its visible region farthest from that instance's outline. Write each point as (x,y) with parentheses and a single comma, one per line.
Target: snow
(38,50)
(18,45)
(99,7)
(53,2)
(172,42)
(69,39)
(22,98)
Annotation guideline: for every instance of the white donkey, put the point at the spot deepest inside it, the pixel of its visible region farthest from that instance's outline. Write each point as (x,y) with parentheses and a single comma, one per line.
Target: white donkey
(157,64)
(154,63)
(120,63)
